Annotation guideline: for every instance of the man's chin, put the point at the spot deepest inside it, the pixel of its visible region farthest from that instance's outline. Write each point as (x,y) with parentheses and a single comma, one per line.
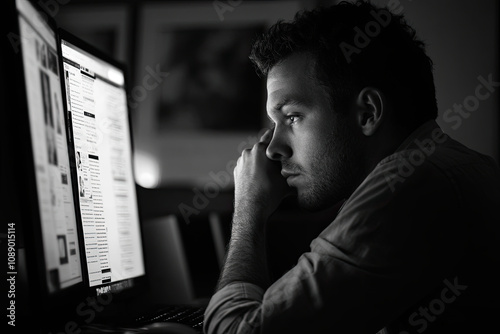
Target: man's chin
(311,203)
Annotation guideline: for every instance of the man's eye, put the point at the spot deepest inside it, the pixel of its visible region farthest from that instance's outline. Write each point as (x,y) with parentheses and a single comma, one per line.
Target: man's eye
(292,118)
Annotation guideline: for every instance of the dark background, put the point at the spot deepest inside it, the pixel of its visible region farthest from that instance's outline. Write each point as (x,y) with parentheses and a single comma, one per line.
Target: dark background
(173,165)
(462,39)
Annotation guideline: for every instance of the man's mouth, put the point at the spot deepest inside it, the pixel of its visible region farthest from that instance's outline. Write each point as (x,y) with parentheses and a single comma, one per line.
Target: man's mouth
(290,177)
(288,174)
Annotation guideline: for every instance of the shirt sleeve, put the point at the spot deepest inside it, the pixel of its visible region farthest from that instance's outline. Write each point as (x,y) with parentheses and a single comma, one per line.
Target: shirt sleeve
(392,243)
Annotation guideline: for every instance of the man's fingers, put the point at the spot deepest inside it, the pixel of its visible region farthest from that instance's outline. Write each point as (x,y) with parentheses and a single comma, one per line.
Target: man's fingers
(267,136)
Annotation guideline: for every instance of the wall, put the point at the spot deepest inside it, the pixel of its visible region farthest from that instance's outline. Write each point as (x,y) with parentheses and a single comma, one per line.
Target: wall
(462,38)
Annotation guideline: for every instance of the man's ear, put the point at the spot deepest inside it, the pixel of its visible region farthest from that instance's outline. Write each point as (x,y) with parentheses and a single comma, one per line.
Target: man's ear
(370,110)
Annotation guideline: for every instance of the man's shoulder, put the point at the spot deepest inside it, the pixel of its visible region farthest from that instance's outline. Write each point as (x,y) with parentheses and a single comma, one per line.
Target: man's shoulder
(421,185)
(433,158)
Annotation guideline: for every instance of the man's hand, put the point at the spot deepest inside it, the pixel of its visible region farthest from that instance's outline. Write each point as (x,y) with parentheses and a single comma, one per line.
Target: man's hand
(259,189)
(259,185)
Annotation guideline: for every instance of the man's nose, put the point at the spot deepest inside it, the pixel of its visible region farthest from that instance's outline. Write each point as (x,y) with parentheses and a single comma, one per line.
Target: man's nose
(279,147)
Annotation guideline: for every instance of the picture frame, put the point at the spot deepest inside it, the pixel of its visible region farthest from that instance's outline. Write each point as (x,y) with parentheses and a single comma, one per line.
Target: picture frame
(186,151)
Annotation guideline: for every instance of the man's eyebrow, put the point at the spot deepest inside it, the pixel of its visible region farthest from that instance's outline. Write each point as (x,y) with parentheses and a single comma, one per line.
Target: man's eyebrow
(287,101)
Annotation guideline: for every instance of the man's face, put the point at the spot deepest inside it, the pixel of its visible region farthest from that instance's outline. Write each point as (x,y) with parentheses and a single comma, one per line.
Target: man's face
(315,144)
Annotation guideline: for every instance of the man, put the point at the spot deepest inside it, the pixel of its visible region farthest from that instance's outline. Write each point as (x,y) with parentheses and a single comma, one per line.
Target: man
(415,245)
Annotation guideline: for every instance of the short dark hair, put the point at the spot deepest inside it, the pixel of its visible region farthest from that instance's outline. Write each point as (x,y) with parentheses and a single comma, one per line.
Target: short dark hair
(393,60)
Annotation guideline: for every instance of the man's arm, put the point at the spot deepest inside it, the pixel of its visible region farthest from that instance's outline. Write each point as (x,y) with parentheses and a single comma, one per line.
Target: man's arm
(246,257)
(383,253)
(259,188)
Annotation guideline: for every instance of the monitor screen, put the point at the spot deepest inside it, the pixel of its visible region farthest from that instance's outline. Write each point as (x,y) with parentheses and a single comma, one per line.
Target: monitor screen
(96,102)
(56,205)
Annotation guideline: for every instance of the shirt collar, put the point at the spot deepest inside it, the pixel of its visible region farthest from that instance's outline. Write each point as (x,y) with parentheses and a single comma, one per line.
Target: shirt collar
(423,131)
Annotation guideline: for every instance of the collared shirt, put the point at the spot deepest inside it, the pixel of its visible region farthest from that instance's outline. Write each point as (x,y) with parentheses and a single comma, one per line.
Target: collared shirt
(415,248)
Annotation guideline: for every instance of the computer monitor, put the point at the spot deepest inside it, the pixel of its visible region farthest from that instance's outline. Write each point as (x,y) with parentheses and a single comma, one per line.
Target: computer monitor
(50,151)
(46,221)
(101,150)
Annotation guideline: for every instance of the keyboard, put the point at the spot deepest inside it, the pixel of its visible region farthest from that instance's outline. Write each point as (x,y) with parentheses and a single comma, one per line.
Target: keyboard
(184,314)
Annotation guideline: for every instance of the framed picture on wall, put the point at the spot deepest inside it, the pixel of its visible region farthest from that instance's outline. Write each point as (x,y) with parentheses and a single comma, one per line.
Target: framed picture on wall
(212,85)
(207,102)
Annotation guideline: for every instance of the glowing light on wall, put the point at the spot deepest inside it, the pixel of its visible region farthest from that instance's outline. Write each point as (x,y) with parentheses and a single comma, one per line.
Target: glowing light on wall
(147,170)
